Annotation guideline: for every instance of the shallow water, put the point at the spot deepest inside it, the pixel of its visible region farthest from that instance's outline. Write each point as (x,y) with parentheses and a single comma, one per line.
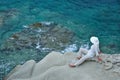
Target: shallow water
(84,17)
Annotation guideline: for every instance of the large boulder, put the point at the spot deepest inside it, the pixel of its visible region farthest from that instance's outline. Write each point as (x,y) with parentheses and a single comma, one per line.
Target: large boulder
(55,67)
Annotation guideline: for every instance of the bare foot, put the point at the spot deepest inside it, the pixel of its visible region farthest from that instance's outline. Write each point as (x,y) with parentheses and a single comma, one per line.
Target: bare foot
(72,65)
(78,57)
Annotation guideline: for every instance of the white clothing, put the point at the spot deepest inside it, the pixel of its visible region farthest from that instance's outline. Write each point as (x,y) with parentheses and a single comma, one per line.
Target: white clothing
(94,51)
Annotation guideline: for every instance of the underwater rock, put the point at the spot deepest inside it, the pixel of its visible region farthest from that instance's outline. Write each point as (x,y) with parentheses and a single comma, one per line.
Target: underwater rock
(35,41)
(45,23)
(49,35)
(7,47)
(36,25)
(14,36)
(112,46)
(8,3)
(10,16)
(1,21)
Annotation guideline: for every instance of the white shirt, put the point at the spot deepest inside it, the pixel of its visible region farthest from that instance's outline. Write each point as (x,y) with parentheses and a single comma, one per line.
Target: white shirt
(93,50)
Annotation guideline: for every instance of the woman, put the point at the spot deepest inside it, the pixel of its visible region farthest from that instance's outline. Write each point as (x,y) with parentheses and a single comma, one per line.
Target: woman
(92,52)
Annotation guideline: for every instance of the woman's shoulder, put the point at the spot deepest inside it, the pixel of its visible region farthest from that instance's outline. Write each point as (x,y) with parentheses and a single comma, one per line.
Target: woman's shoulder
(93,46)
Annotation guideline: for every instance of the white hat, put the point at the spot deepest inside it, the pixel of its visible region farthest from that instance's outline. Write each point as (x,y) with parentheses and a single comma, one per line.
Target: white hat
(94,40)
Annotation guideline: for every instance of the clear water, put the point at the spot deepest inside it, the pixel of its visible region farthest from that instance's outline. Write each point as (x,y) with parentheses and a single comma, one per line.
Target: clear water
(85,17)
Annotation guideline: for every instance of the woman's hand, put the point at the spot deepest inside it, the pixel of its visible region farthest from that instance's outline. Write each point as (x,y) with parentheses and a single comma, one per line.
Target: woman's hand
(99,59)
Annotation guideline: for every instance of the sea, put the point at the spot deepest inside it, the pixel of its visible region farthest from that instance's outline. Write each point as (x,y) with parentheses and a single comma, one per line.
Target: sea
(86,18)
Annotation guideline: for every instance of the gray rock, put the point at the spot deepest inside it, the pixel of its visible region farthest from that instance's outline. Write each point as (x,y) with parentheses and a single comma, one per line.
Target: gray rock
(108,65)
(117,70)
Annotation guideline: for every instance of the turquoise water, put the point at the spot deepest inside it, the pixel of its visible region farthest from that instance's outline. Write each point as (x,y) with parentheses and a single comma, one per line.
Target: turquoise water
(85,17)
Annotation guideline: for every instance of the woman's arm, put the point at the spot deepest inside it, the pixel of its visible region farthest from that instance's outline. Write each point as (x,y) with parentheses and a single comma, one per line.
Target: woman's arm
(97,51)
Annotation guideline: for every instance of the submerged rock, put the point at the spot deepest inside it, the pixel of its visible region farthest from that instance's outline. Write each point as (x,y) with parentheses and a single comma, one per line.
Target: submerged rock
(36,25)
(14,36)
(41,36)
(1,21)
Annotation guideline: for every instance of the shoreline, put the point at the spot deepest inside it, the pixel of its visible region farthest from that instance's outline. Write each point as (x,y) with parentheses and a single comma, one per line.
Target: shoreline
(35,42)
(51,64)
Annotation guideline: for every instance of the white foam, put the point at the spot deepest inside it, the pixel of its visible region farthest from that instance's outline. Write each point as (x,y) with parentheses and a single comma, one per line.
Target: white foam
(38,45)
(25,26)
(46,23)
(70,48)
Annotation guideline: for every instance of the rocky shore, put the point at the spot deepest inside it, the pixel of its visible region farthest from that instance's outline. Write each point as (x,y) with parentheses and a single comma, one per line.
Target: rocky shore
(55,67)
(35,41)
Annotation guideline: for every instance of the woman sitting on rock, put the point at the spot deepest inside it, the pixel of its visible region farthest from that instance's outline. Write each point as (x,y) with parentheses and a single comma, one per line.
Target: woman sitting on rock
(92,52)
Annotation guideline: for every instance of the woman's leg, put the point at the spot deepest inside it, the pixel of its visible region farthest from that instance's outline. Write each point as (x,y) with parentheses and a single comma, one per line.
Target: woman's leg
(81,51)
(82,60)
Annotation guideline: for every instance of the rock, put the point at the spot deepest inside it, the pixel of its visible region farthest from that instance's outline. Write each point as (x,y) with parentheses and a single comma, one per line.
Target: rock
(1,21)
(14,36)
(47,23)
(55,67)
(110,60)
(117,70)
(36,25)
(12,72)
(118,64)
(11,16)
(19,70)
(116,58)
(108,65)
(49,35)
(112,46)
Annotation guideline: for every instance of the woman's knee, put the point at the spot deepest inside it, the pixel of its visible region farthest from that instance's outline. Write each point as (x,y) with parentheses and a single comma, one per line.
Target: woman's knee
(83,50)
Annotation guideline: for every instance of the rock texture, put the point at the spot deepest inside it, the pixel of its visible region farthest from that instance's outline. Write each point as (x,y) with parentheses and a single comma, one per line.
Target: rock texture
(35,41)
(43,36)
(55,67)
(111,62)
